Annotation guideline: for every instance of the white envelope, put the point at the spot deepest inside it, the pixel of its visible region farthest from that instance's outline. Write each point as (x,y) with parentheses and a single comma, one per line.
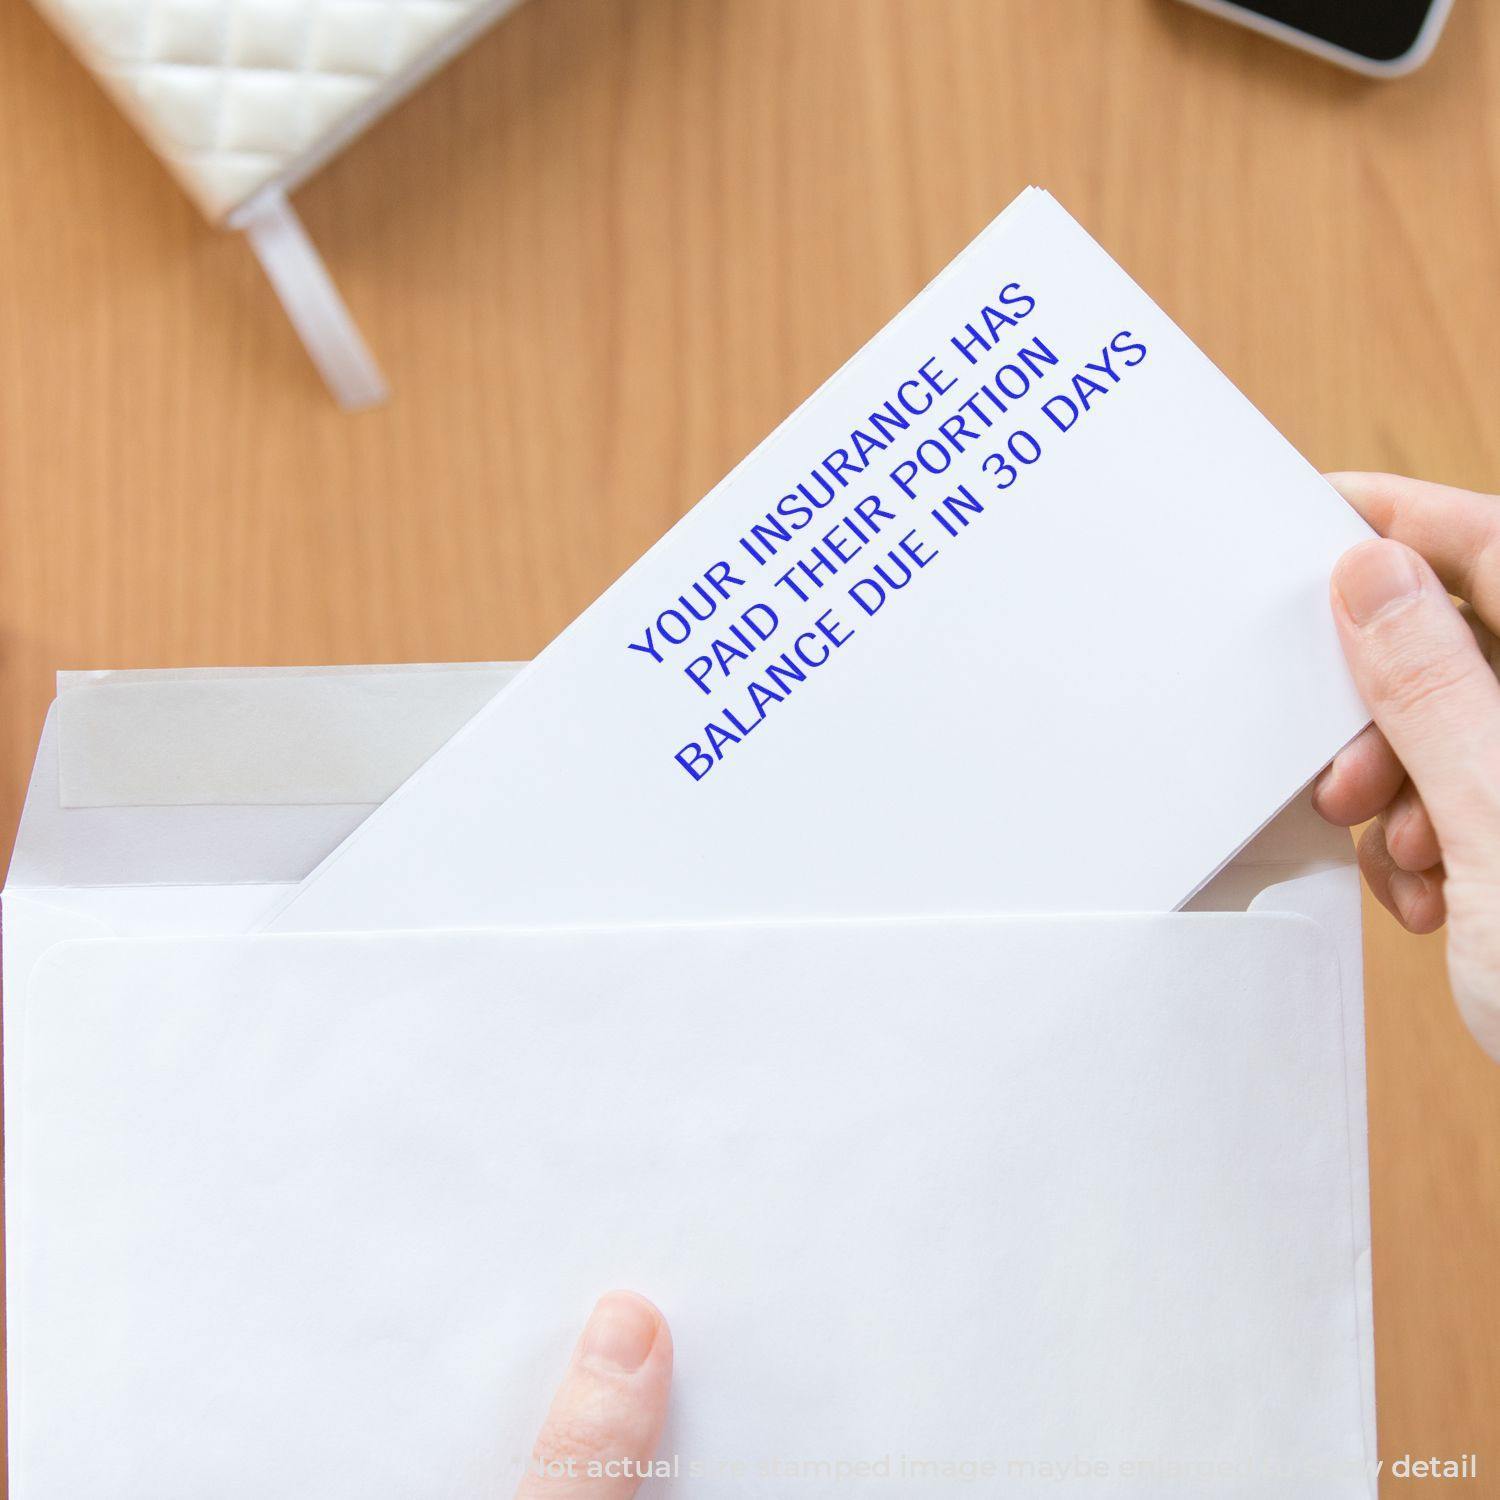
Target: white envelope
(1013,1092)
(120,834)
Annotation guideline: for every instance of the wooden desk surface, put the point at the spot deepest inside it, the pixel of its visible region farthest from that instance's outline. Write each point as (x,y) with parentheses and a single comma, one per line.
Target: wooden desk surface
(604,252)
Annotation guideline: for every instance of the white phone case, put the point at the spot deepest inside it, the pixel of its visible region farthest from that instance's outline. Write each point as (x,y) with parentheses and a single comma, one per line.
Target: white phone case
(1409,61)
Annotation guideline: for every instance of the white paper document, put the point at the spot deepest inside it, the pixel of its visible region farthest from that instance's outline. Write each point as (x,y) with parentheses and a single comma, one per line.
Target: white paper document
(320,1216)
(1025,610)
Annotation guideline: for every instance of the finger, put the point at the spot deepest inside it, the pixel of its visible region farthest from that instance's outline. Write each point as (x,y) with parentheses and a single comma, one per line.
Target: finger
(1414,899)
(1409,834)
(607,1416)
(1473,961)
(1457,531)
(1429,689)
(1489,644)
(1363,778)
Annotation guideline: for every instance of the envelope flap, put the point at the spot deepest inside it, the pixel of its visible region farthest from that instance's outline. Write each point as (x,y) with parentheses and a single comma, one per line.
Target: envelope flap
(227,775)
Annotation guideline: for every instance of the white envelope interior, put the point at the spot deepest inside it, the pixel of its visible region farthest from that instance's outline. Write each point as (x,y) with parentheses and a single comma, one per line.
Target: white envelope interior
(325,1212)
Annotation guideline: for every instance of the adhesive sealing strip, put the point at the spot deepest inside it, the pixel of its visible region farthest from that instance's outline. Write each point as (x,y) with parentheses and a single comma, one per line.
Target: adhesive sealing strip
(268,738)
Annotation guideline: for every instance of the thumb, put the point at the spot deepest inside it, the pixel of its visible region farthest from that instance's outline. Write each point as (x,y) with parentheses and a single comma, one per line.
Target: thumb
(1422,676)
(607,1416)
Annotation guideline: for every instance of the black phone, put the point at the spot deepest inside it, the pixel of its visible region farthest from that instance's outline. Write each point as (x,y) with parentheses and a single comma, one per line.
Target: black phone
(1372,36)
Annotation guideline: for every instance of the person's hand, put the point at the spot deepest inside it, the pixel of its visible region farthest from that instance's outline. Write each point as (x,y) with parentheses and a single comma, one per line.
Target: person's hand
(607,1415)
(1428,769)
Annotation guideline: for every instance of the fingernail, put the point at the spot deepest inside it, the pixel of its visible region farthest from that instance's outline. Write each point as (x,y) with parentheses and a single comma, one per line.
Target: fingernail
(1373,576)
(1407,889)
(620,1332)
(1326,779)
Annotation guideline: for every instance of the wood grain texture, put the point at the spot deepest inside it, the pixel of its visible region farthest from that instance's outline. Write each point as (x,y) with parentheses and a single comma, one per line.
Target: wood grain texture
(605,251)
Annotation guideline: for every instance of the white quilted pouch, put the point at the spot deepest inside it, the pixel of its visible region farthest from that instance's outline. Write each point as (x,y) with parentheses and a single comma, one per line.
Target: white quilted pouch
(244,98)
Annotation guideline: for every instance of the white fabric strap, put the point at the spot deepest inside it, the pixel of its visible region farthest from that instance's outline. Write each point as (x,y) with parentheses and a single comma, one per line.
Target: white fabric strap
(311,300)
